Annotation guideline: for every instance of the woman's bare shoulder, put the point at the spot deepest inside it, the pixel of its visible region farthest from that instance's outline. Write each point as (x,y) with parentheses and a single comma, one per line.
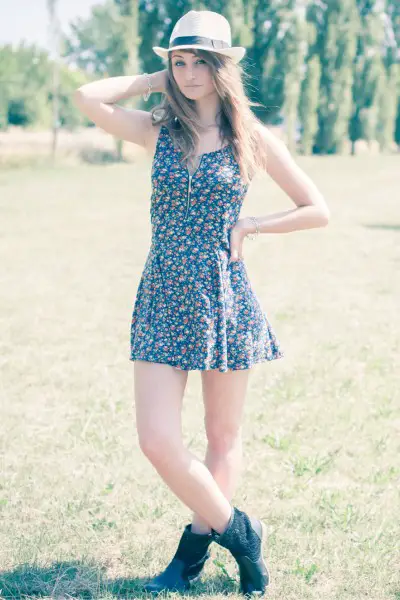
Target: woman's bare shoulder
(269,140)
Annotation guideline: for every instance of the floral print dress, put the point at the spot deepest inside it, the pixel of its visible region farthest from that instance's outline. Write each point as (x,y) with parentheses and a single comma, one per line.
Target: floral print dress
(193,309)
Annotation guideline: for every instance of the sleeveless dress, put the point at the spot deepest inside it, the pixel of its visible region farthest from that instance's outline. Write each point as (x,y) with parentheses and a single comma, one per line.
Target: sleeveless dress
(193,310)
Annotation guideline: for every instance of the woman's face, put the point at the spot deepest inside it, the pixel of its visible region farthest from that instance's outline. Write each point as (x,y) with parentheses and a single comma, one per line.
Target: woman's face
(192,74)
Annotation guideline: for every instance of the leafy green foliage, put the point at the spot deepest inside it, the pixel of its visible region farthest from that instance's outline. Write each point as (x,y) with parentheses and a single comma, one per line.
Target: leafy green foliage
(328,70)
(25,73)
(97,44)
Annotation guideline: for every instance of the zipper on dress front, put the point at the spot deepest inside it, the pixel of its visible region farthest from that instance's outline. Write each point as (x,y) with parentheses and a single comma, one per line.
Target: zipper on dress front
(190,186)
(188,195)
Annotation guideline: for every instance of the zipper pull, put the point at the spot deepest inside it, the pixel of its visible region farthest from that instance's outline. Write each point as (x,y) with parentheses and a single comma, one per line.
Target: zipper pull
(188,195)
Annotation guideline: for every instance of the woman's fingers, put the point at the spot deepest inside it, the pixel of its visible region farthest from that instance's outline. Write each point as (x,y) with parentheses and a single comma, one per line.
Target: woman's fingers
(236,243)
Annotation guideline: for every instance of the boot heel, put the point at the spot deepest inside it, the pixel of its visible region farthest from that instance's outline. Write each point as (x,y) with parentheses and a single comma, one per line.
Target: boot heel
(264,530)
(243,538)
(264,539)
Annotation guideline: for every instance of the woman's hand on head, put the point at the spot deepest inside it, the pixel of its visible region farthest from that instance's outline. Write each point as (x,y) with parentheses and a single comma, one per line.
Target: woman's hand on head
(98,100)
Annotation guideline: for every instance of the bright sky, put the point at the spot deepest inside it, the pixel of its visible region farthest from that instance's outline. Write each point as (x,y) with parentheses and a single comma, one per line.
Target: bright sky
(27,19)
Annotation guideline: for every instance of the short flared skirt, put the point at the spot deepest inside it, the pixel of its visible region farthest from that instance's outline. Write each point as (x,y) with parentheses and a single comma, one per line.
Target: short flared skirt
(199,313)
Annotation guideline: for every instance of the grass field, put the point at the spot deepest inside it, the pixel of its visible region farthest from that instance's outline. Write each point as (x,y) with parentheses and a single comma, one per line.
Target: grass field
(83,513)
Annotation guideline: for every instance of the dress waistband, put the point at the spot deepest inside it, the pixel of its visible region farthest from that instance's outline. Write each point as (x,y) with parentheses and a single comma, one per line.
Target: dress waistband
(161,244)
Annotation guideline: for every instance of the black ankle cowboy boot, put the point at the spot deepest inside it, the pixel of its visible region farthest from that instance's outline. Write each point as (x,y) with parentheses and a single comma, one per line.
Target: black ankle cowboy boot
(243,538)
(186,564)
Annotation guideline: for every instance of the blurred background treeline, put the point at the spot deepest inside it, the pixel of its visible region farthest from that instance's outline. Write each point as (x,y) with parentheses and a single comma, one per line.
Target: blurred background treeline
(326,72)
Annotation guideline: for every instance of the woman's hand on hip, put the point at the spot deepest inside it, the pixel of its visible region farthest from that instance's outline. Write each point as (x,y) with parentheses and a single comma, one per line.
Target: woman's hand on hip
(238,233)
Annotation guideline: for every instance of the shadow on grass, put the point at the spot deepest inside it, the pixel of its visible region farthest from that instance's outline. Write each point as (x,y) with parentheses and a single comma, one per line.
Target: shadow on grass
(383,226)
(88,580)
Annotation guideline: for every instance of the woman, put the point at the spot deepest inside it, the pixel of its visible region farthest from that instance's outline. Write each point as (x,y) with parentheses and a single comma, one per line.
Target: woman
(195,308)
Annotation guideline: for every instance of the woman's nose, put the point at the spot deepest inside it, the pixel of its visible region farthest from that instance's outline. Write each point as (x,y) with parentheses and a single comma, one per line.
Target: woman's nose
(189,75)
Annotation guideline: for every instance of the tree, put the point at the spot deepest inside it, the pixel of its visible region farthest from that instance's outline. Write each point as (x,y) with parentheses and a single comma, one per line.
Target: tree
(392,31)
(28,75)
(309,104)
(329,66)
(397,124)
(101,44)
(369,72)
(97,44)
(129,12)
(337,25)
(294,52)
(7,72)
(151,30)
(55,47)
(266,54)
(387,108)
(27,95)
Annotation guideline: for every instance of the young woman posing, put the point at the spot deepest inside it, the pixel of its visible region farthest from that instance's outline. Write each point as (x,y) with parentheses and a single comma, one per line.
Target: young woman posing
(195,308)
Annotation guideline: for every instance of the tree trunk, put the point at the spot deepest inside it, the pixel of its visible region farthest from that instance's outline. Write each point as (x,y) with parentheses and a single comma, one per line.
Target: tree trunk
(55,50)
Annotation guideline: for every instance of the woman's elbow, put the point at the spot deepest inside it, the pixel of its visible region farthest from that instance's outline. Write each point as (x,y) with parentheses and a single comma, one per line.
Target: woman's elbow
(324,215)
(318,211)
(78,96)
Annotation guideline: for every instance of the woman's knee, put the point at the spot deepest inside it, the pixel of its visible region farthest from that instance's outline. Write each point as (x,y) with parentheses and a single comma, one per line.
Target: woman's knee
(158,445)
(158,403)
(223,438)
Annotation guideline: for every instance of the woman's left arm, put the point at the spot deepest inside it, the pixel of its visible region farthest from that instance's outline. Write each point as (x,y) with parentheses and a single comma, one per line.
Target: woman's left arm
(312,210)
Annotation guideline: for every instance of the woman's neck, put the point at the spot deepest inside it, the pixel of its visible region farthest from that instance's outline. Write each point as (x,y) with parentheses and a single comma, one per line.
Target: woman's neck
(208,111)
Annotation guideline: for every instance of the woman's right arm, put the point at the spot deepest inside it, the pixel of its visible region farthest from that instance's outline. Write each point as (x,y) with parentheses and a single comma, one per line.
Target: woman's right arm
(97,100)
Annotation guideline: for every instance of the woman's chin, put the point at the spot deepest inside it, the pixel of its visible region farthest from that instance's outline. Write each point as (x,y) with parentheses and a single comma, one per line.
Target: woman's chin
(193,93)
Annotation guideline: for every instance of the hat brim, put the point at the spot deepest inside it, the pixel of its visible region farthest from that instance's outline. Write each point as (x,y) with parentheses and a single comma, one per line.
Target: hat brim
(236,53)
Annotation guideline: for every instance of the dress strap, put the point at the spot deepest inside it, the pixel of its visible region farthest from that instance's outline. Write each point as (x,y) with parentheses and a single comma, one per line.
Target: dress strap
(163,136)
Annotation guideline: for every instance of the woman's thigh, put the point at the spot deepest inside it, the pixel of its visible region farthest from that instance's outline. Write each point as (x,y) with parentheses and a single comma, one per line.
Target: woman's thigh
(224,395)
(158,395)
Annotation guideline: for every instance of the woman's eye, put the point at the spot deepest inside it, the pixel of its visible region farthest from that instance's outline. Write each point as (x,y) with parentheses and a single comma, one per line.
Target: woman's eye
(180,62)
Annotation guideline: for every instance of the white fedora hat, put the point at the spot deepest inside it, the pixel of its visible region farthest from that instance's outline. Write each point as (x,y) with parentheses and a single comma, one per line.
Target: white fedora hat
(205,30)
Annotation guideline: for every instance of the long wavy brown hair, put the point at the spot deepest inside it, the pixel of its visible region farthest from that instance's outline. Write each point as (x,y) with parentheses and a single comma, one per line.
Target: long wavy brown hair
(237,122)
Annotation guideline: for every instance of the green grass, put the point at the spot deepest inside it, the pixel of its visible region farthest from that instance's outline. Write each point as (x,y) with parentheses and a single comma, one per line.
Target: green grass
(83,513)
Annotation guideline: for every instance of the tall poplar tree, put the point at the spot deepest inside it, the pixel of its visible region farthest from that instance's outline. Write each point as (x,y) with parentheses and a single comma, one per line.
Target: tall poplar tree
(308,107)
(129,11)
(397,124)
(294,52)
(266,59)
(387,108)
(54,29)
(151,31)
(336,45)
(369,72)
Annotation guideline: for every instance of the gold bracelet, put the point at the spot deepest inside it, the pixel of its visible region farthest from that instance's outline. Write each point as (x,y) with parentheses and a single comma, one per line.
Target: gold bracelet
(146,96)
(252,236)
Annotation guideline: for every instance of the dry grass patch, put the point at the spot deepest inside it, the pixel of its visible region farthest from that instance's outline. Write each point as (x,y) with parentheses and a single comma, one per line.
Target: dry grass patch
(83,513)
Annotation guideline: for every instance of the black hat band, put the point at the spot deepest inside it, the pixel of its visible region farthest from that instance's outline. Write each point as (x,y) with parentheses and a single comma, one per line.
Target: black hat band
(198,40)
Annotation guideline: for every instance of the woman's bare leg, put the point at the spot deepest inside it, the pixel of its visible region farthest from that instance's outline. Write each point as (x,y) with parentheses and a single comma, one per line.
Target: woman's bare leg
(159,390)
(224,396)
